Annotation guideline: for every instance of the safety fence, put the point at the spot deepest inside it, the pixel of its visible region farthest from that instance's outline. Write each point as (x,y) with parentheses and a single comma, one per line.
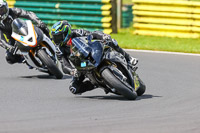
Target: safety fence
(171,18)
(87,14)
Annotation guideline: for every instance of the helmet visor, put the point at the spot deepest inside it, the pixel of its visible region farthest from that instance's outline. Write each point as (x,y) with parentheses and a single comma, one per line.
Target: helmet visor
(58,39)
(3,9)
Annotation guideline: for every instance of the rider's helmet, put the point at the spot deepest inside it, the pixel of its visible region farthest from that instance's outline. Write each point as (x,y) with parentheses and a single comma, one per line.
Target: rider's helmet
(61,32)
(4,10)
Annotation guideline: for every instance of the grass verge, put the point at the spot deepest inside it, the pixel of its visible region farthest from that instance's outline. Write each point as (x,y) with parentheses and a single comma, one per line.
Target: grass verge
(127,2)
(128,40)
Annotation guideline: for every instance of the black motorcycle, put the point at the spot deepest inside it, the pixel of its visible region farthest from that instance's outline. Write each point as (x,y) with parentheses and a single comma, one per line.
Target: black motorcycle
(106,68)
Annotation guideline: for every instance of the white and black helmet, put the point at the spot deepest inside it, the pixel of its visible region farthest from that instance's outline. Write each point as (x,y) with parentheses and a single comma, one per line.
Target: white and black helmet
(4,10)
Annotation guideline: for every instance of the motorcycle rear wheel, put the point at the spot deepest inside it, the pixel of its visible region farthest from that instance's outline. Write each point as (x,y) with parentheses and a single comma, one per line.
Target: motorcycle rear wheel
(119,85)
(44,57)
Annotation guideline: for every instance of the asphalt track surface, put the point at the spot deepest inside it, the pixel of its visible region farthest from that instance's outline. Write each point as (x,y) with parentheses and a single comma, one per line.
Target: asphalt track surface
(33,102)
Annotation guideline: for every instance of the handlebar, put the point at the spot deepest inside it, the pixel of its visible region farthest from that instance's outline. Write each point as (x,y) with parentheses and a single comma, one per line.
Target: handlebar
(5,45)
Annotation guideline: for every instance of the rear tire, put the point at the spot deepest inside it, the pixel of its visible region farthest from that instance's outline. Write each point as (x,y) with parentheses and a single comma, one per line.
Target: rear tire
(44,57)
(120,87)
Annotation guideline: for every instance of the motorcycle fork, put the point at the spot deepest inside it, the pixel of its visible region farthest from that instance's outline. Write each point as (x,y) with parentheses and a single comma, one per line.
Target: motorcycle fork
(136,81)
(32,52)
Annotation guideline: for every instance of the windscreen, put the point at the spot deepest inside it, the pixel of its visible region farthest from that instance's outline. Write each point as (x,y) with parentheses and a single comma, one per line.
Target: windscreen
(81,46)
(19,26)
(97,51)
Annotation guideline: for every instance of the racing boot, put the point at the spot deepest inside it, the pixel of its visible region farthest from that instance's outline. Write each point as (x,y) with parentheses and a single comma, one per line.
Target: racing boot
(77,87)
(133,61)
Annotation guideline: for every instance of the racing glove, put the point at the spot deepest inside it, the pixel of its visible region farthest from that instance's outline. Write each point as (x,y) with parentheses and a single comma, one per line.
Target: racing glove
(44,28)
(74,73)
(106,37)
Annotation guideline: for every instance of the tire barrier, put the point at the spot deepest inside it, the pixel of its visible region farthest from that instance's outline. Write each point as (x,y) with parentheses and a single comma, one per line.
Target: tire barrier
(170,18)
(87,14)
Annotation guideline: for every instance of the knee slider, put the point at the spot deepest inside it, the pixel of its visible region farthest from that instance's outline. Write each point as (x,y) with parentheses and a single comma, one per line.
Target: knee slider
(10,58)
(72,89)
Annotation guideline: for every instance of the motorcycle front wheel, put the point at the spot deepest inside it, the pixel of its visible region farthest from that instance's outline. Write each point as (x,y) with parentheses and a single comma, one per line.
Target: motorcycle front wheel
(46,59)
(119,85)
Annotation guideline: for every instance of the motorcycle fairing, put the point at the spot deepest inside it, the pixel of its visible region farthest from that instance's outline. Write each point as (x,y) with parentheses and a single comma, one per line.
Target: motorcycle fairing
(81,45)
(28,40)
(49,43)
(95,49)
(114,56)
(97,52)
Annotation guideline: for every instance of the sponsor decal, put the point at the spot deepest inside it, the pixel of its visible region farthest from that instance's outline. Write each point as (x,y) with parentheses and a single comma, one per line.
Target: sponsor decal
(22,38)
(83,64)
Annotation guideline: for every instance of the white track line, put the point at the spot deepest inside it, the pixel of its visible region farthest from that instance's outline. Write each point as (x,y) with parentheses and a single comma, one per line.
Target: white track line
(162,52)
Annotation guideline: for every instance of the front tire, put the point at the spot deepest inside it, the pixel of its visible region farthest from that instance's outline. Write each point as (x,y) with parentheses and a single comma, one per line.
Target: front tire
(119,85)
(45,58)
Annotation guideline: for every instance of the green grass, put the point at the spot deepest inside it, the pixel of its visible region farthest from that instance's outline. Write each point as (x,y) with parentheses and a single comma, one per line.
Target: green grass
(127,2)
(128,40)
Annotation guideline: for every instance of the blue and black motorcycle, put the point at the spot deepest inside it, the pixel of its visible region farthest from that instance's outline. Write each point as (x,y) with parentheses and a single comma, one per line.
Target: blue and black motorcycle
(106,68)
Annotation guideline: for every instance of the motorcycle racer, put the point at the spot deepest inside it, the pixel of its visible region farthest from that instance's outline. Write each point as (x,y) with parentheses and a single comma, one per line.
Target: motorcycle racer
(7,15)
(62,35)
